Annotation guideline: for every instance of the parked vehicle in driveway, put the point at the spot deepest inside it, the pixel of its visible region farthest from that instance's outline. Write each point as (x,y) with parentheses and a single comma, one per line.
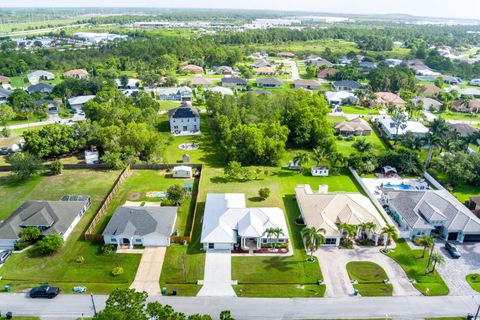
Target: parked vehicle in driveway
(453,250)
(44,292)
(4,151)
(4,255)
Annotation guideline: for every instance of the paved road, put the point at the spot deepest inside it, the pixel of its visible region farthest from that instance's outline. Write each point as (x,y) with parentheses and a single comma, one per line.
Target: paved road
(218,275)
(52,118)
(148,273)
(72,306)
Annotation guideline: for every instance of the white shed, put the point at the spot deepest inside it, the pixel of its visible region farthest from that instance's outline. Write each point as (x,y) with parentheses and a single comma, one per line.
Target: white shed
(182,172)
(91,157)
(319,171)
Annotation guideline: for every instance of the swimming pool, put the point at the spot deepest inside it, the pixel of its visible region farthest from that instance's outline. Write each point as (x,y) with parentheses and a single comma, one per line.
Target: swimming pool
(398,186)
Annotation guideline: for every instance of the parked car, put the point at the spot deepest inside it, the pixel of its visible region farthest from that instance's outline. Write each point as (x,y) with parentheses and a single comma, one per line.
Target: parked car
(4,151)
(4,255)
(453,250)
(475,82)
(44,292)
(79,289)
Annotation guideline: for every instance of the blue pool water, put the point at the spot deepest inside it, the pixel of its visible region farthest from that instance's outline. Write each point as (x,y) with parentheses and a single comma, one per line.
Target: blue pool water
(398,186)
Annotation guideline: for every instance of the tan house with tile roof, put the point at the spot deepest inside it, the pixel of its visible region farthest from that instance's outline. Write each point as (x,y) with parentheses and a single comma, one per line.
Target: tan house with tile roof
(386,98)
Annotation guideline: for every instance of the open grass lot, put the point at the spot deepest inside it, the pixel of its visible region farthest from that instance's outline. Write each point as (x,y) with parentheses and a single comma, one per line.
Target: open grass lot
(414,266)
(167,105)
(10,27)
(474,281)
(359,110)
(370,278)
(142,181)
(346,147)
(452,115)
(61,269)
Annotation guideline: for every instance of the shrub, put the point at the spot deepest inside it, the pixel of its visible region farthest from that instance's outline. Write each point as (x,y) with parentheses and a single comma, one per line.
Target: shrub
(176,193)
(6,132)
(346,243)
(80,259)
(264,193)
(50,243)
(20,245)
(340,138)
(56,167)
(117,271)
(29,234)
(107,249)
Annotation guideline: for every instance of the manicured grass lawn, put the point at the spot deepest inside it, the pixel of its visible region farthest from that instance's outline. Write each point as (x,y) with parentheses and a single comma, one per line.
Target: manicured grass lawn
(474,281)
(167,105)
(279,290)
(334,119)
(13,192)
(346,147)
(452,115)
(142,181)
(359,110)
(447,318)
(370,278)
(414,266)
(461,191)
(27,269)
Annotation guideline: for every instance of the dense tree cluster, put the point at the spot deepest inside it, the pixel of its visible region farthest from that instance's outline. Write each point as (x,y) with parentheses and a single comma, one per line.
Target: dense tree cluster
(394,79)
(51,141)
(459,167)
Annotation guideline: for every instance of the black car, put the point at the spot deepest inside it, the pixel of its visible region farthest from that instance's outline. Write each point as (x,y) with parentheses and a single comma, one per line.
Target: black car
(453,250)
(44,292)
(4,151)
(4,255)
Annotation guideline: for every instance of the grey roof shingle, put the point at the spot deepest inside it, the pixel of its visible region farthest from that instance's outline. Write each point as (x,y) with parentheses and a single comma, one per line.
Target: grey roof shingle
(184,111)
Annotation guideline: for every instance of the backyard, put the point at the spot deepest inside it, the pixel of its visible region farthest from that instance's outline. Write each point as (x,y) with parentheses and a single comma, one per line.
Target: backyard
(62,268)
(414,266)
(370,277)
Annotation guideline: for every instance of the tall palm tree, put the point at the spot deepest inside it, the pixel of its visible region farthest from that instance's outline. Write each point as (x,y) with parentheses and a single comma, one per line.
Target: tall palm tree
(313,239)
(391,233)
(301,158)
(399,121)
(338,161)
(319,155)
(274,233)
(362,145)
(426,242)
(363,229)
(432,141)
(437,258)
(371,226)
(349,230)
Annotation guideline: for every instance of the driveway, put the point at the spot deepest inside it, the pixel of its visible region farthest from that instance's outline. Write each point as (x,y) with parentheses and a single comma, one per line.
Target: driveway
(293,68)
(148,272)
(454,271)
(218,275)
(333,263)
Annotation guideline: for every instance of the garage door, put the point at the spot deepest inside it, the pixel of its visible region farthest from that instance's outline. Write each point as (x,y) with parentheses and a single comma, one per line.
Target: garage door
(155,242)
(453,236)
(472,238)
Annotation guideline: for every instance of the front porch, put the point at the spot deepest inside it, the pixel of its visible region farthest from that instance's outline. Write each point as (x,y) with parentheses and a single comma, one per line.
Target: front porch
(262,247)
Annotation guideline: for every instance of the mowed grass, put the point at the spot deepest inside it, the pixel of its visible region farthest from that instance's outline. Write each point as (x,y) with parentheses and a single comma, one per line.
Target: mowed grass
(359,110)
(474,281)
(27,269)
(453,115)
(370,278)
(166,105)
(414,266)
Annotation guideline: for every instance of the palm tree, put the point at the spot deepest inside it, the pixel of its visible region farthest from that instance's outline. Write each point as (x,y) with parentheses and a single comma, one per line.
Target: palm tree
(370,227)
(319,155)
(362,145)
(349,230)
(432,140)
(426,242)
(399,121)
(437,258)
(313,239)
(361,96)
(301,158)
(273,233)
(338,161)
(391,233)
(363,229)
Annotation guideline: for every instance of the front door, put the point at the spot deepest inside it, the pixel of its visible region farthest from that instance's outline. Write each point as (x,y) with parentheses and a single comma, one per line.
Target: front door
(184,128)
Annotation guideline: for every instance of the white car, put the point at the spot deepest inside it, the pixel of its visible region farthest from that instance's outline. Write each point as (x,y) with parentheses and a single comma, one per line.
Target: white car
(475,82)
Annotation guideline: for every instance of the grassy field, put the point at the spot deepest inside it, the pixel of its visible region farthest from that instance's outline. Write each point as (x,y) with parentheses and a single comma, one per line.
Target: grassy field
(167,105)
(61,269)
(346,147)
(452,115)
(370,278)
(474,281)
(414,266)
(19,26)
(359,110)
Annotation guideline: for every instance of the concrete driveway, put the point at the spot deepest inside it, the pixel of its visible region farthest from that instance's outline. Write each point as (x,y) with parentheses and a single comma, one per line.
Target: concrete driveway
(218,275)
(454,271)
(148,272)
(333,263)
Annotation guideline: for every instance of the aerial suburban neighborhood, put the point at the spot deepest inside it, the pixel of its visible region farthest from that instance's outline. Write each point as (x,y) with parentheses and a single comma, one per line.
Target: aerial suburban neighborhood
(239,163)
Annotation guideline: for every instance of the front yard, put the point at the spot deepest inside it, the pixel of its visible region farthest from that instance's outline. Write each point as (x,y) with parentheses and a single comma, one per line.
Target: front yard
(359,110)
(474,281)
(370,277)
(414,266)
(62,268)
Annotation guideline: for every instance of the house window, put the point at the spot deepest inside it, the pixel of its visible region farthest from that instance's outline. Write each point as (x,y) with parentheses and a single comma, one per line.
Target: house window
(113,239)
(331,241)
(138,240)
(264,241)
(211,246)
(281,241)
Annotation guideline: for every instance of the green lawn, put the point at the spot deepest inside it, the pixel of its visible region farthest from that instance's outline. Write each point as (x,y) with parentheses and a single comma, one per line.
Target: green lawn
(474,281)
(167,105)
(414,266)
(346,147)
(461,191)
(61,269)
(359,110)
(22,318)
(370,278)
(452,115)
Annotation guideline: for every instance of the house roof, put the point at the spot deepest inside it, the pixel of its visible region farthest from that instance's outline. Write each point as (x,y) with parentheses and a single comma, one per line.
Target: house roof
(4,80)
(412,126)
(347,83)
(286,54)
(5,93)
(80,100)
(55,216)
(339,96)
(427,102)
(328,210)
(40,73)
(354,125)
(318,62)
(184,111)
(199,80)
(429,89)
(327,72)
(192,68)
(270,81)
(462,128)
(262,63)
(302,82)
(472,106)
(387,98)
(142,221)
(222,69)
(223,91)
(264,70)
(40,87)
(182,168)
(227,216)
(234,80)
(76,72)
(436,205)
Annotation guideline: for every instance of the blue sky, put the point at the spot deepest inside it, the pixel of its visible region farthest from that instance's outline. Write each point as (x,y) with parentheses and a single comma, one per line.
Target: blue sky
(438,8)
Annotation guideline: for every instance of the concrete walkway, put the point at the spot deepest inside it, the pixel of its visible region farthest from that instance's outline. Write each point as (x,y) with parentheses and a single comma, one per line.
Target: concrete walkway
(148,272)
(218,275)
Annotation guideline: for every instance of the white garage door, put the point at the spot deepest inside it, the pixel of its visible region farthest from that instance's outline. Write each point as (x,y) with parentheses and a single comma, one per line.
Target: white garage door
(156,242)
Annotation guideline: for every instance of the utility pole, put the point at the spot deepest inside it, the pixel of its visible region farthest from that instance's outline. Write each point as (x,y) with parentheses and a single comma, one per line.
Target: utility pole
(93,303)
(478,312)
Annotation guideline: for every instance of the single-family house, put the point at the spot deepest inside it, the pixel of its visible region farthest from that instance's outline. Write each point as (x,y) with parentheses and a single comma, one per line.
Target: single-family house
(463,129)
(49,217)
(4,94)
(357,127)
(191,68)
(264,70)
(234,82)
(43,88)
(91,157)
(472,106)
(228,223)
(421,212)
(367,65)
(286,54)
(429,90)
(182,172)
(5,83)
(184,119)
(472,92)
(183,93)
(225,70)
(339,98)
(198,80)
(148,226)
(270,83)
(393,62)
(130,84)
(221,90)
(76,74)
(79,101)
(384,99)
(318,62)
(453,81)
(346,85)
(326,73)
(388,126)
(319,171)
(35,76)
(306,84)
(260,63)
(326,210)
(429,104)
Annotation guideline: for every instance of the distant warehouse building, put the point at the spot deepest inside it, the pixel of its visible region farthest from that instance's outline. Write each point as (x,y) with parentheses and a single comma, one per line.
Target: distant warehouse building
(97,37)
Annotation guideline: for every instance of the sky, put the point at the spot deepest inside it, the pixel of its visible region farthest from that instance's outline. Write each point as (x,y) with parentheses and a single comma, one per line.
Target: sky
(433,8)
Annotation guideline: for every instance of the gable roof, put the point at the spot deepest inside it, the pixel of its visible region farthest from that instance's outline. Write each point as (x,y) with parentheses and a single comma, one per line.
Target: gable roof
(354,125)
(234,80)
(192,68)
(76,72)
(327,72)
(303,82)
(5,93)
(462,128)
(40,87)
(199,80)
(348,84)
(4,80)
(141,221)
(80,100)
(184,111)
(270,81)
(429,89)
(385,98)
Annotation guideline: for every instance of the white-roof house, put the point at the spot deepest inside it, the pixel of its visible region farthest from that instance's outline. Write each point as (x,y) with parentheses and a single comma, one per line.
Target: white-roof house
(228,223)
(390,129)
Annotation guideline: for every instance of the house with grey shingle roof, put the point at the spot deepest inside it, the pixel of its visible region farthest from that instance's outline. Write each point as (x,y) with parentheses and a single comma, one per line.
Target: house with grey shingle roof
(422,212)
(49,216)
(149,226)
